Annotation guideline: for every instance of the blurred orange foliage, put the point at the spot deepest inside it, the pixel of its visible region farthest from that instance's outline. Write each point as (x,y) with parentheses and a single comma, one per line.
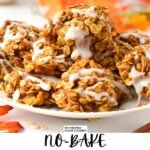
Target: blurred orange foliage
(56,5)
(123,21)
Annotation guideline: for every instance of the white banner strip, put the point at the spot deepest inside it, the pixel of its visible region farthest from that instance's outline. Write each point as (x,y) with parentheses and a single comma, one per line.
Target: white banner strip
(75,141)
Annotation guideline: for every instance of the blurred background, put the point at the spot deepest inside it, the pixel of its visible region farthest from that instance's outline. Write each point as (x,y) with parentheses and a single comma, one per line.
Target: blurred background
(127,14)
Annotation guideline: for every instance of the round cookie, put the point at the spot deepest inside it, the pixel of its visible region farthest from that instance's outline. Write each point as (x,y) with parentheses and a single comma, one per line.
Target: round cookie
(29,89)
(86,86)
(47,58)
(134,70)
(16,39)
(86,32)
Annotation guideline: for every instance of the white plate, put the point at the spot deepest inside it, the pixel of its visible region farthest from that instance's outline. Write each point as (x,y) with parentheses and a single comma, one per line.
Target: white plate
(128,107)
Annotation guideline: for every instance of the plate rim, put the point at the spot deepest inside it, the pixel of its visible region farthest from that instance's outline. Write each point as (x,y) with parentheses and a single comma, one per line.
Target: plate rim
(72,115)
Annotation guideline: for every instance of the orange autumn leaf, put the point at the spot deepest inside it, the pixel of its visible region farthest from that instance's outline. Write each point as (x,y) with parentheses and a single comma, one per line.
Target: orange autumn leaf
(70,2)
(147,1)
(10,127)
(4,109)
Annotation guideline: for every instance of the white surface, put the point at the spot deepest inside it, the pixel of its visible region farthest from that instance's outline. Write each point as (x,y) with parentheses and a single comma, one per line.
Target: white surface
(125,123)
(22,10)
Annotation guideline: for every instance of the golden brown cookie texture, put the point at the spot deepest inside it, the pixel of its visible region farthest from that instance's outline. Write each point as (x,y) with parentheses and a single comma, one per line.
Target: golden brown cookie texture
(134,70)
(86,86)
(77,62)
(16,39)
(86,32)
(29,89)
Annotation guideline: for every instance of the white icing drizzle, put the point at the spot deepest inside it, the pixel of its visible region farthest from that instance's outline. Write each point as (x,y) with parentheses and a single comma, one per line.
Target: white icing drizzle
(82,49)
(122,87)
(85,11)
(139,84)
(7,63)
(139,81)
(134,74)
(52,78)
(36,50)
(4,69)
(147,51)
(83,72)
(107,53)
(75,54)
(45,59)
(10,36)
(73,77)
(59,59)
(16,95)
(95,77)
(42,84)
(82,42)
(136,34)
(74,33)
(2,54)
(98,96)
(81,91)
